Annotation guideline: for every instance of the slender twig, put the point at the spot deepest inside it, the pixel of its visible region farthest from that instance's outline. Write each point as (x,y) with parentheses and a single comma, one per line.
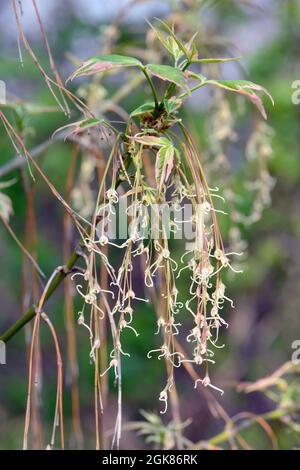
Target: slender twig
(31,312)
(225,435)
(152,87)
(58,416)
(17,162)
(21,246)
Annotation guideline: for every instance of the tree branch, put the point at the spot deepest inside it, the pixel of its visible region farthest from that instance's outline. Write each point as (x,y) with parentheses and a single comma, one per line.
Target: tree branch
(18,162)
(57,280)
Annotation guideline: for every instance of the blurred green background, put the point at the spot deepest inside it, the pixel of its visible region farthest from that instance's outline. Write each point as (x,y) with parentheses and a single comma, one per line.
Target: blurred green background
(265,320)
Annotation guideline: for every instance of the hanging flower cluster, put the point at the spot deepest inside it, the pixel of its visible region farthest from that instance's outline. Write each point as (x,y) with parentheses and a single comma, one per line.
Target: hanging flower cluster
(148,192)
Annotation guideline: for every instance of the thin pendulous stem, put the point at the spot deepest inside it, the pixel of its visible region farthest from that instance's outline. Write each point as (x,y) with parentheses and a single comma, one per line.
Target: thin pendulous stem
(152,88)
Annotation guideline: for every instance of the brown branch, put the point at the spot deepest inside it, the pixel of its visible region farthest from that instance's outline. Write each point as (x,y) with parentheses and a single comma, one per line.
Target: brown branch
(31,312)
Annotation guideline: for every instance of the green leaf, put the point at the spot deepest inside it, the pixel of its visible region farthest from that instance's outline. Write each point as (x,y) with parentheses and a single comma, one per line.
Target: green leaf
(246,88)
(174,48)
(100,63)
(172,104)
(87,123)
(168,73)
(164,157)
(191,48)
(165,41)
(144,108)
(164,164)
(152,141)
(173,44)
(169,30)
(196,76)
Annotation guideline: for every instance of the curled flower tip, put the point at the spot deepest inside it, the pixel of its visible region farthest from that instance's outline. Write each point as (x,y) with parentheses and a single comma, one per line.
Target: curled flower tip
(119,347)
(116,308)
(112,196)
(225,262)
(219,254)
(128,311)
(105,291)
(171,325)
(165,254)
(207,383)
(163,396)
(131,295)
(149,353)
(195,335)
(198,360)
(172,357)
(96,288)
(148,278)
(103,240)
(82,322)
(96,345)
(113,364)
(124,324)
(235,253)
(160,323)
